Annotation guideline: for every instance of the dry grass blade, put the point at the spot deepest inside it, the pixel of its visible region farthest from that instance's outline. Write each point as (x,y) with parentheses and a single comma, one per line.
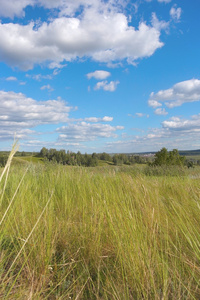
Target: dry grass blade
(6,169)
(27,239)
(13,197)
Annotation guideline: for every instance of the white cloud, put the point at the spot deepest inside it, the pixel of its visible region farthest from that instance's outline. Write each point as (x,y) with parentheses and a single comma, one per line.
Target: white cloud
(175,13)
(161,112)
(47,87)
(182,92)
(9,133)
(168,136)
(175,132)
(39,77)
(102,35)
(154,103)
(95,120)
(164,1)
(10,9)
(84,131)
(55,65)
(99,74)
(159,25)
(65,8)
(110,87)
(184,125)
(18,112)
(140,115)
(107,119)
(11,78)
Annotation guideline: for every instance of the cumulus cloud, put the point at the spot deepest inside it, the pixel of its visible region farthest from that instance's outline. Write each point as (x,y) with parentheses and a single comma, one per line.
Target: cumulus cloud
(102,35)
(66,8)
(9,133)
(39,77)
(175,13)
(164,1)
(11,78)
(154,103)
(83,131)
(47,87)
(159,25)
(176,132)
(184,125)
(182,92)
(161,112)
(181,134)
(19,115)
(110,87)
(10,9)
(99,74)
(140,115)
(19,112)
(95,120)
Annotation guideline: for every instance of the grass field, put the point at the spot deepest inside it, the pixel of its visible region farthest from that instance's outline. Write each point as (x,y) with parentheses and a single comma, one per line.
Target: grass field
(98,233)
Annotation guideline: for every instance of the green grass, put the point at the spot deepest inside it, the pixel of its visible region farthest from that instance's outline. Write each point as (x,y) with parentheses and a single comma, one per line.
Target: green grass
(33,159)
(98,233)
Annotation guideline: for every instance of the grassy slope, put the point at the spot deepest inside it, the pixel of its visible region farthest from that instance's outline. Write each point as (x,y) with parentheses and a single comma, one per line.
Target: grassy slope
(33,159)
(105,234)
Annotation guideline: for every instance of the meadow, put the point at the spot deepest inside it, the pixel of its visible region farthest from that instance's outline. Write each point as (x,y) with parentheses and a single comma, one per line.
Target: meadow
(104,232)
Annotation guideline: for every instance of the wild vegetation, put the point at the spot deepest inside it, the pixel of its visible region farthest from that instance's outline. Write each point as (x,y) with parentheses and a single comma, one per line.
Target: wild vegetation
(111,232)
(88,160)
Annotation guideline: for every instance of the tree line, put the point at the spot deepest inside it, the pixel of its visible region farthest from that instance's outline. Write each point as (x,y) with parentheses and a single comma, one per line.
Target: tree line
(88,160)
(161,158)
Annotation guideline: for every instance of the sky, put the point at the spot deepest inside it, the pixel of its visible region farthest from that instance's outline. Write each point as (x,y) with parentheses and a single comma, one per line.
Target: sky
(100,75)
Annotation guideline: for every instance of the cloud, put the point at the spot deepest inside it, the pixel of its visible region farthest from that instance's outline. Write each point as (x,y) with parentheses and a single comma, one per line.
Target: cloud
(11,78)
(99,74)
(161,112)
(154,103)
(95,120)
(110,87)
(184,125)
(175,13)
(176,132)
(8,9)
(39,77)
(158,138)
(63,7)
(103,35)
(84,131)
(9,133)
(107,119)
(47,87)
(18,112)
(182,92)
(159,25)
(140,115)
(164,1)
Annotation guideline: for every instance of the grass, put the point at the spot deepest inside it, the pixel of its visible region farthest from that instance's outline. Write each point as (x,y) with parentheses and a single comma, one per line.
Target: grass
(33,159)
(98,233)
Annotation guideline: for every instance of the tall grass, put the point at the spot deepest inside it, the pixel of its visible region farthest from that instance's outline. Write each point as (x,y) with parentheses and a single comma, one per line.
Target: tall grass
(99,233)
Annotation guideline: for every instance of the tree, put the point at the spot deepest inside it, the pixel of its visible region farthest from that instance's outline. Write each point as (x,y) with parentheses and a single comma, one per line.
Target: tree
(105,156)
(163,157)
(3,160)
(44,152)
(190,164)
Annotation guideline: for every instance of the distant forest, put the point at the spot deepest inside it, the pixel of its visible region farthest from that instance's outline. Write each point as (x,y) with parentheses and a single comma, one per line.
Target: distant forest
(162,157)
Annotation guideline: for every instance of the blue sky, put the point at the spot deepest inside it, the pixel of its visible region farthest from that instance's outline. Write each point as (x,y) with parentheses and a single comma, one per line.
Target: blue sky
(100,75)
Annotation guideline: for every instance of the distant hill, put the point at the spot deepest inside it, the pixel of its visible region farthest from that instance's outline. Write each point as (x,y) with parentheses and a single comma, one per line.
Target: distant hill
(181,152)
(189,152)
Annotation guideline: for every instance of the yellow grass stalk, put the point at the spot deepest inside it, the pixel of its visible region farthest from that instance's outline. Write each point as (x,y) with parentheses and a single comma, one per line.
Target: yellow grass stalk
(6,169)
